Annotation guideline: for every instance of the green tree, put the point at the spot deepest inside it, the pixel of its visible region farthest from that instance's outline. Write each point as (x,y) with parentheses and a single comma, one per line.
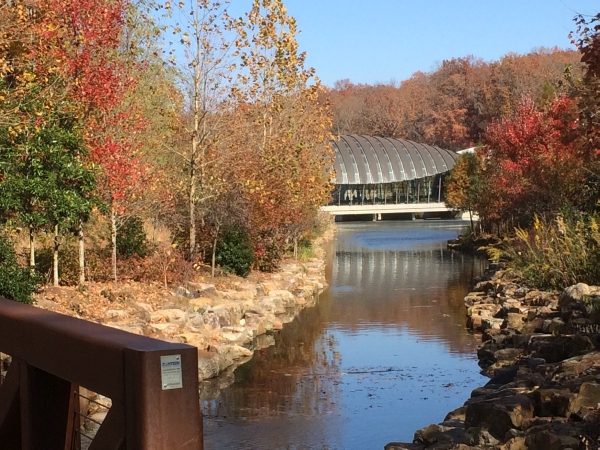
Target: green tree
(43,178)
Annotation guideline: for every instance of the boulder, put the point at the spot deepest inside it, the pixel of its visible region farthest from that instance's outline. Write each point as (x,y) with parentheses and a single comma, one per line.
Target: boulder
(589,396)
(437,433)
(553,402)
(547,440)
(115,315)
(478,436)
(573,294)
(204,290)
(403,446)
(499,415)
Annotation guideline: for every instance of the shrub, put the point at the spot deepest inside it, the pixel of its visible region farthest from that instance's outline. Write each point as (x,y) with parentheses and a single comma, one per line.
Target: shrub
(234,252)
(131,239)
(16,282)
(558,253)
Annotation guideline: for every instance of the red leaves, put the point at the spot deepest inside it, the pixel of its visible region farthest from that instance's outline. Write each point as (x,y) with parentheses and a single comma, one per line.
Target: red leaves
(533,160)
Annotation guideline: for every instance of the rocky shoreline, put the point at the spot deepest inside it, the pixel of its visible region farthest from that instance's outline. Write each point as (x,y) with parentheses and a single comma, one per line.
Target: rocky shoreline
(542,352)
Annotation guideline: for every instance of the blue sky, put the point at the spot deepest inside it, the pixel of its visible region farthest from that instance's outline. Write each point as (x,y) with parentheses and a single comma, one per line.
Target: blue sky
(370,41)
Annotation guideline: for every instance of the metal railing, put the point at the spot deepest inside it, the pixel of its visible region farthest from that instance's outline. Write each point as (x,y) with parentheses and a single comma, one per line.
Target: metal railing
(152,386)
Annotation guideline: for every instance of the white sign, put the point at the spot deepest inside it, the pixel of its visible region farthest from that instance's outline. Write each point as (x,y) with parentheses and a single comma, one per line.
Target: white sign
(170,369)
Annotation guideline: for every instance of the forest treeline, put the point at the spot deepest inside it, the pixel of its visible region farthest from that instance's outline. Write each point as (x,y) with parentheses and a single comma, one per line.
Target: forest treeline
(120,119)
(451,106)
(141,139)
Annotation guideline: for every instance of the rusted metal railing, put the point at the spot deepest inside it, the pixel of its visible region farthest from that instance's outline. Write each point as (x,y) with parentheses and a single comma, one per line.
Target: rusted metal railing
(153,385)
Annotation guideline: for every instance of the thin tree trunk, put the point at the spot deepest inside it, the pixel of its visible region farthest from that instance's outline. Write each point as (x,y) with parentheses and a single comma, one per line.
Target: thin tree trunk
(295,247)
(214,251)
(113,237)
(471,219)
(192,207)
(81,254)
(214,257)
(31,249)
(55,257)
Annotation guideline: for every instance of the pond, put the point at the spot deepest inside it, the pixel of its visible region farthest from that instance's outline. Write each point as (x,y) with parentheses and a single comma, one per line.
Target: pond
(384,352)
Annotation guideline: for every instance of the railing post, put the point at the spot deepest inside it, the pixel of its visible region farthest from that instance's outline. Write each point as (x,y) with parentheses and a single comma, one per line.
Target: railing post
(45,401)
(161,417)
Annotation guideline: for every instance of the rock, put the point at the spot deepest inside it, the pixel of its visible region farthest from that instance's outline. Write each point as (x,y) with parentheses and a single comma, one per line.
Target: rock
(437,433)
(547,440)
(211,320)
(458,413)
(195,339)
(553,402)
(478,436)
(115,315)
(265,288)
(200,303)
(204,290)
(515,443)
(473,298)
(508,355)
(558,348)
(180,291)
(589,396)
(169,315)
(515,320)
(573,294)
(513,306)
(500,415)
(274,305)
(492,323)
(403,446)
(166,329)
(557,326)
(244,295)
(236,334)
(504,375)
(286,297)
(574,367)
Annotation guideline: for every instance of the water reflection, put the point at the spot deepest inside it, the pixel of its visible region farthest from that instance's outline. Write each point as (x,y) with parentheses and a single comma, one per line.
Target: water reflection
(383,353)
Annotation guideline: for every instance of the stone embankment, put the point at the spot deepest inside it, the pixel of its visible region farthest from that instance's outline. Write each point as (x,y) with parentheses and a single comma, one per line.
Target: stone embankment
(541,350)
(227,321)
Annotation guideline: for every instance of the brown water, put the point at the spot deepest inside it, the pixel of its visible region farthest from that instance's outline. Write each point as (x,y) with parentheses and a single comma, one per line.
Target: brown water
(384,353)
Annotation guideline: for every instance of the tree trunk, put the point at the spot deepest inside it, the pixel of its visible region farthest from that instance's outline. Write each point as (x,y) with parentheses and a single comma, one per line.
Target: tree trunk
(295,247)
(214,250)
(192,207)
(471,219)
(31,249)
(214,257)
(81,254)
(55,257)
(113,238)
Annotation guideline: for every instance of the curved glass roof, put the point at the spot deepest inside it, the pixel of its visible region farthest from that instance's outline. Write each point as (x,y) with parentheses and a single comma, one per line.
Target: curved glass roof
(373,160)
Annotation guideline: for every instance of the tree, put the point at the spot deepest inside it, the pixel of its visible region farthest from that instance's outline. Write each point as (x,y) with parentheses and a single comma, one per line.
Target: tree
(533,160)
(211,44)
(43,176)
(287,133)
(463,185)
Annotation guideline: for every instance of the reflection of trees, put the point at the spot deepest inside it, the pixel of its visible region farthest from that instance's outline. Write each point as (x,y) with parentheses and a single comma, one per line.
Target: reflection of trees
(297,376)
(420,290)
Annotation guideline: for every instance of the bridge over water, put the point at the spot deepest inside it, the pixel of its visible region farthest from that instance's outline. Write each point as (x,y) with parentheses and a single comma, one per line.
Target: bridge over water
(385,177)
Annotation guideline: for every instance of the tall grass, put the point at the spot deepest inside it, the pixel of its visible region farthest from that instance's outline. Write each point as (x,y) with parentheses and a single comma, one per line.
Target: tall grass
(558,253)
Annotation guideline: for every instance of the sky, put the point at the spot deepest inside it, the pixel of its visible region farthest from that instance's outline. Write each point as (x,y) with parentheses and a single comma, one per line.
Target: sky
(379,41)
